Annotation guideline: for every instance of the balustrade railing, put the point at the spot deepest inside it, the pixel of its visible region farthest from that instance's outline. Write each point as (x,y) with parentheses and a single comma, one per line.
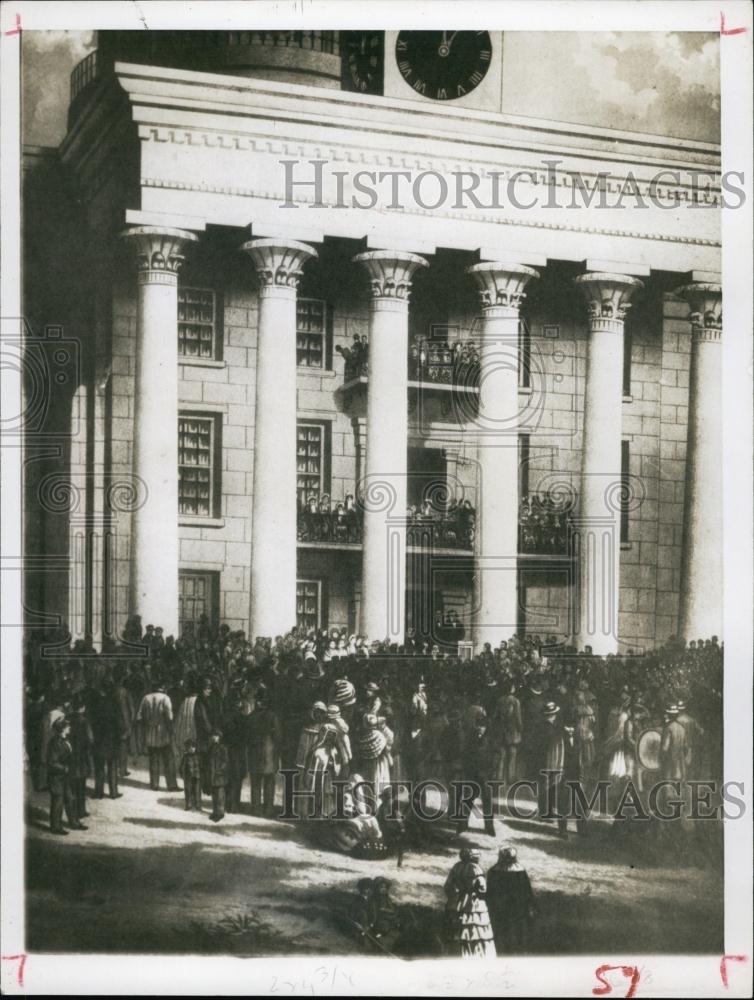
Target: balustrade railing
(83,73)
(431,362)
(542,527)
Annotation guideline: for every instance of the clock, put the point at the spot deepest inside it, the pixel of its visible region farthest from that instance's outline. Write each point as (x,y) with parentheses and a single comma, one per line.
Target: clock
(443,65)
(362,61)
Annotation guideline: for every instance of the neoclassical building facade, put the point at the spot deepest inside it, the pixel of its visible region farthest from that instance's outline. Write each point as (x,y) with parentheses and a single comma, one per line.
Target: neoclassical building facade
(285,404)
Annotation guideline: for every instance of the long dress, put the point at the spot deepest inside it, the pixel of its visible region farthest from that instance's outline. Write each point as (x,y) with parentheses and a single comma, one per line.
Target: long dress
(470,926)
(374,760)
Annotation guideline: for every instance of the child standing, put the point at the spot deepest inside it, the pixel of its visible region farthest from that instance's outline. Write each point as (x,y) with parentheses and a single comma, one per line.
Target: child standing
(190,774)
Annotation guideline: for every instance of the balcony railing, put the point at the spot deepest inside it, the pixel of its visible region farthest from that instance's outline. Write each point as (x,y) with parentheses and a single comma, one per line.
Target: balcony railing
(322,521)
(433,362)
(543,529)
(83,74)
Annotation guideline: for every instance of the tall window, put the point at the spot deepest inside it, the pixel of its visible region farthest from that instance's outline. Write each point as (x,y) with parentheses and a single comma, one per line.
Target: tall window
(312,346)
(197,596)
(308,604)
(627,344)
(625,454)
(199,324)
(198,465)
(312,455)
(524,354)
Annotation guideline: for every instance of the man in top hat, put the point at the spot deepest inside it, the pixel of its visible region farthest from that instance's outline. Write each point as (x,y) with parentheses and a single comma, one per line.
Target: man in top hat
(552,757)
(510,901)
(263,754)
(477,767)
(59,766)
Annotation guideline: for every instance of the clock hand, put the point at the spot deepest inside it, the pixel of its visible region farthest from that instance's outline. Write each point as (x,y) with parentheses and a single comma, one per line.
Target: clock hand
(444,48)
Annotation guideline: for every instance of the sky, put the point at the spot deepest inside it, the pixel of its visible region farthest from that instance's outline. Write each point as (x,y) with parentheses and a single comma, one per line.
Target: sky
(667,83)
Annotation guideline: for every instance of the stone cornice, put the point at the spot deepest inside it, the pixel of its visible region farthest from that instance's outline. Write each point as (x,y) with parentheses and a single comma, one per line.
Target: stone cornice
(337,150)
(498,218)
(257,98)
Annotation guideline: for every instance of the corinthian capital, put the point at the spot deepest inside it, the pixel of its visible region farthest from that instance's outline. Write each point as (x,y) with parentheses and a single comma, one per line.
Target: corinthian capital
(390,272)
(706,301)
(279,263)
(607,295)
(158,249)
(501,285)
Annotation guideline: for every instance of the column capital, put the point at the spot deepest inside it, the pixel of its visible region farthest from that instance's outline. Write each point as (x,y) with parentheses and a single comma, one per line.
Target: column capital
(502,285)
(160,252)
(390,272)
(706,301)
(279,262)
(607,295)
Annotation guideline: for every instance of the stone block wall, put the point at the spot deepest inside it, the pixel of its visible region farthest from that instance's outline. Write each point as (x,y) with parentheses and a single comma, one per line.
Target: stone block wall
(654,423)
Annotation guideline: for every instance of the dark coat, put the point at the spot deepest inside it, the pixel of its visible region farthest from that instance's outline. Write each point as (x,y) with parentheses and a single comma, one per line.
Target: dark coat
(264,741)
(81,744)
(189,766)
(108,720)
(509,897)
(59,764)
(207,719)
(476,754)
(218,764)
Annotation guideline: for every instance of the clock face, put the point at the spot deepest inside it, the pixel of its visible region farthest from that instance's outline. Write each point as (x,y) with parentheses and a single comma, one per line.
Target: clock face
(443,65)
(362,54)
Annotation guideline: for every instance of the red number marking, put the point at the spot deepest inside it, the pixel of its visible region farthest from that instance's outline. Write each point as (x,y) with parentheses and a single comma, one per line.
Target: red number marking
(17,29)
(606,987)
(724,966)
(723,29)
(21,959)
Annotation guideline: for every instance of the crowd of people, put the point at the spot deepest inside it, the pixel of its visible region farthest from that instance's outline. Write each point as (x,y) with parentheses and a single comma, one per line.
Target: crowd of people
(216,710)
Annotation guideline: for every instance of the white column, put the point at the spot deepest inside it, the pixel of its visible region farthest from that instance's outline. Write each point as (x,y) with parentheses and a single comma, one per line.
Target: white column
(154,522)
(701,607)
(501,289)
(598,524)
(279,266)
(383,486)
